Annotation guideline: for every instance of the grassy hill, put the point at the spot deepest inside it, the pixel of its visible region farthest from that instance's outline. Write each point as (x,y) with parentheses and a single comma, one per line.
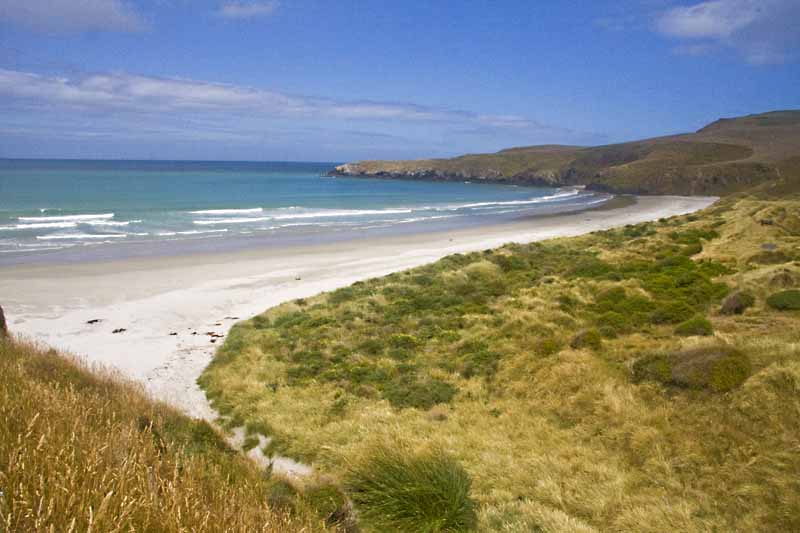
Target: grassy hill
(730,155)
(85,450)
(639,379)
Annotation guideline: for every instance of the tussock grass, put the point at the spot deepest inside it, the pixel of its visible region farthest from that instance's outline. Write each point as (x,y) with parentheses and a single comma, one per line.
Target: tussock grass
(554,433)
(397,489)
(85,450)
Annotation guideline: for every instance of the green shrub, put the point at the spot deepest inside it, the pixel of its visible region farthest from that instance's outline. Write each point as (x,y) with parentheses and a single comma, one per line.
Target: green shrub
(655,367)
(475,358)
(546,346)
(729,372)
(718,368)
(785,300)
(692,249)
(693,235)
(591,267)
(406,391)
(736,303)
(614,321)
(672,312)
(567,303)
(769,257)
(394,489)
(697,325)
(403,341)
(589,338)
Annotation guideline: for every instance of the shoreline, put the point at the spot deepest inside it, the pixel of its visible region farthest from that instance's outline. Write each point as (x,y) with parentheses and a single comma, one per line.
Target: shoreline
(176,310)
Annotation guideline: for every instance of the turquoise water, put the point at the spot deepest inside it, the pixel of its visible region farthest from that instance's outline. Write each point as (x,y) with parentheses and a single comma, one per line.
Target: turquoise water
(59,210)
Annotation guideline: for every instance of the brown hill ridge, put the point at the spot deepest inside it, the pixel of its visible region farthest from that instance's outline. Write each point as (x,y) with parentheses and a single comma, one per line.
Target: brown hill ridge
(726,156)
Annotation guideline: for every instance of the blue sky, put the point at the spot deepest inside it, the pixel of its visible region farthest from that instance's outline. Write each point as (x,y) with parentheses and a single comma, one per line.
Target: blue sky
(336,81)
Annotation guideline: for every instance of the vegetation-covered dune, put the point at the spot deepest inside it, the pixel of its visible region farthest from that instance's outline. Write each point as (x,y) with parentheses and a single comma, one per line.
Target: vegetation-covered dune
(727,156)
(84,450)
(639,379)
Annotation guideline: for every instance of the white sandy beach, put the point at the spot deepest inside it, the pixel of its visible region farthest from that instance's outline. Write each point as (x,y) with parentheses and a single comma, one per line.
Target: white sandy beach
(154,298)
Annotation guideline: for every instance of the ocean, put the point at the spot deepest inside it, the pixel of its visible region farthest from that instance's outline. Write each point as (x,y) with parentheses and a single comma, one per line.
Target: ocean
(63,211)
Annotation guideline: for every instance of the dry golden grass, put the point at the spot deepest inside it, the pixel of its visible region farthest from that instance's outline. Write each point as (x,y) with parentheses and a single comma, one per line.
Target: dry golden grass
(87,451)
(555,439)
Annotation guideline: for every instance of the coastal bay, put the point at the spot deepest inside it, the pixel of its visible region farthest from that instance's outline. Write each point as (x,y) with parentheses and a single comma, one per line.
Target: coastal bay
(174,309)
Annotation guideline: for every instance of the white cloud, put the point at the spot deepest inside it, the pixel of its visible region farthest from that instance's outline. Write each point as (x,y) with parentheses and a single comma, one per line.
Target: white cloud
(717,19)
(144,116)
(761,31)
(72,16)
(246,10)
(127,92)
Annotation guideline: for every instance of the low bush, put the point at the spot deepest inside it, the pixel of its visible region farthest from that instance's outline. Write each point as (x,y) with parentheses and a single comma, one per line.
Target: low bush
(395,489)
(547,346)
(784,278)
(697,325)
(655,367)
(403,341)
(407,391)
(693,235)
(475,358)
(769,257)
(692,249)
(589,338)
(736,303)
(672,312)
(785,300)
(718,368)
(613,321)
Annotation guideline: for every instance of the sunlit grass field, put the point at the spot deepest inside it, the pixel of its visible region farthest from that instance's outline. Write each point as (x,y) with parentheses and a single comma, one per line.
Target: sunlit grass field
(85,450)
(637,379)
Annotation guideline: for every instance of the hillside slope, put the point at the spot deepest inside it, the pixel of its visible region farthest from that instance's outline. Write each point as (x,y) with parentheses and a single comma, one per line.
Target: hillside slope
(87,450)
(645,378)
(727,156)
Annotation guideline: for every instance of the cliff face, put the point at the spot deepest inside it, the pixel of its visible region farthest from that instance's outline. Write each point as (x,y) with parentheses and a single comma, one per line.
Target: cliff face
(727,156)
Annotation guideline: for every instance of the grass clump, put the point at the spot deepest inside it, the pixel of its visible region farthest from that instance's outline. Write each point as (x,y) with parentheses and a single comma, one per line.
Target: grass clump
(331,504)
(697,325)
(395,489)
(785,300)
(736,303)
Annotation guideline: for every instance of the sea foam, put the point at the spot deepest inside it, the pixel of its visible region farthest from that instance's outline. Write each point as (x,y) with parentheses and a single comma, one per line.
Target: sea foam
(80,236)
(251,211)
(40,225)
(67,218)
